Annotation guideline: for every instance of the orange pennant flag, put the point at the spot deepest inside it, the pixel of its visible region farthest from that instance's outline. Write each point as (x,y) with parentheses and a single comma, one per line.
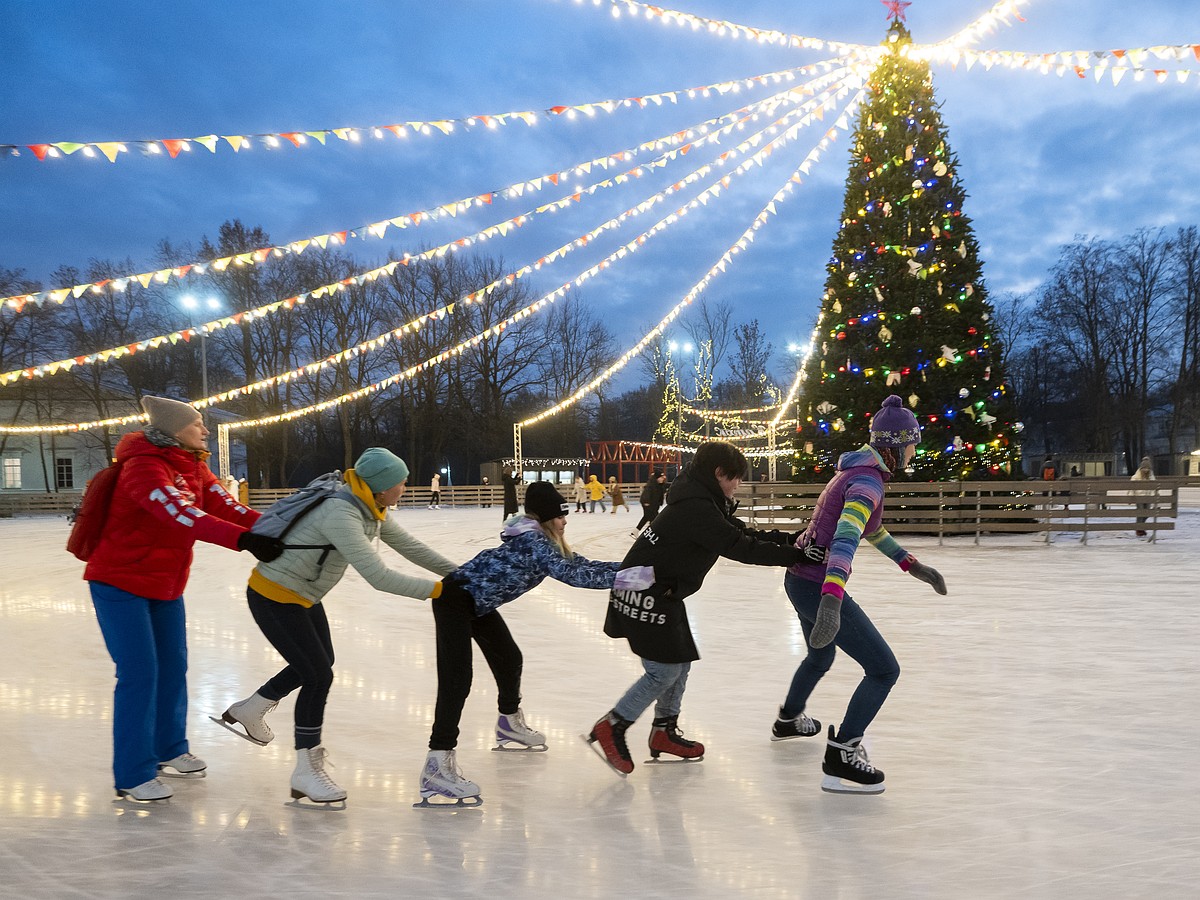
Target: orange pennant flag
(292,136)
(39,150)
(173,145)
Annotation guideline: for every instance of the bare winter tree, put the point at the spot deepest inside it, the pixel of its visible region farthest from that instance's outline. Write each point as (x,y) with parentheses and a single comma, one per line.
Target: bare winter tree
(751,361)
(1138,362)
(1078,319)
(1185,300)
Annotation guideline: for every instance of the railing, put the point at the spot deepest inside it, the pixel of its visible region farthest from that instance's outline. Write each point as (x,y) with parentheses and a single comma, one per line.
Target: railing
(1078,505)
(21,503)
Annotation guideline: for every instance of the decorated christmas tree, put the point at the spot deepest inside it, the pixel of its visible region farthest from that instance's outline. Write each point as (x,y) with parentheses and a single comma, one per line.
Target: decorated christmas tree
(905,310)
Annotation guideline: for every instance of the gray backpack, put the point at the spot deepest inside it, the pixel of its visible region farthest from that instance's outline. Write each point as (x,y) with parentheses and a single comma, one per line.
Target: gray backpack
(283,515)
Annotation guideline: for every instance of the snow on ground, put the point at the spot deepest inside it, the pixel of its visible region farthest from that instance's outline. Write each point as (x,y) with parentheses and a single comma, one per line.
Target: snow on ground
(1037,744)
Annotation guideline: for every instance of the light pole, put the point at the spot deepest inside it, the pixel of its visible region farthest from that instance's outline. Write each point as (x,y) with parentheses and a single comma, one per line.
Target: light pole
(191,304)
(686,348)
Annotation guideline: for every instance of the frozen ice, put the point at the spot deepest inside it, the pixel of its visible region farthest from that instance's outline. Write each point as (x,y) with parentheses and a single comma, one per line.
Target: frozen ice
(1038,744)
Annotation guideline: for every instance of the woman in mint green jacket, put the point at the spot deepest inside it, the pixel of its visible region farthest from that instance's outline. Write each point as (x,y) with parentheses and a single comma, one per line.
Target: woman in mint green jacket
(285,600)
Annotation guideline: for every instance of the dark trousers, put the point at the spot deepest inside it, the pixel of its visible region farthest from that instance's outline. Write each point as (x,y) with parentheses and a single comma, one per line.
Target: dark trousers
(456,625)
(648,514)
(301,635)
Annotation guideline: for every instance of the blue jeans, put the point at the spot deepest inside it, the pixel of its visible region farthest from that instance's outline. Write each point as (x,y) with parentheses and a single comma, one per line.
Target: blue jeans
(594,502)
(147,640)
(860,640)
(663,685)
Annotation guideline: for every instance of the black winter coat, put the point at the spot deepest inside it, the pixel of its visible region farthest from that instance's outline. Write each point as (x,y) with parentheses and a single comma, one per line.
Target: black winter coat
(683,544)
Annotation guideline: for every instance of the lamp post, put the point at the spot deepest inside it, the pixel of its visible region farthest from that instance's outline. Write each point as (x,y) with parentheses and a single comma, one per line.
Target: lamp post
(686,347)
(191,304)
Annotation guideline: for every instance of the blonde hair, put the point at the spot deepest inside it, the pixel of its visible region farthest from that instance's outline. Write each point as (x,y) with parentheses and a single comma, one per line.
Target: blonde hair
(558,541)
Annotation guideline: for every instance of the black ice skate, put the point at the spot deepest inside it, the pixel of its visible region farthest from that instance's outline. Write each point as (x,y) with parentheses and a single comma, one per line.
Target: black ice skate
(785,728)
(847,769)
(665,737)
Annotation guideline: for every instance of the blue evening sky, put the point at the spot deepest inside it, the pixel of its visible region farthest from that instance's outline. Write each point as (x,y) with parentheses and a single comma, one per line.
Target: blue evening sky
(1043,158)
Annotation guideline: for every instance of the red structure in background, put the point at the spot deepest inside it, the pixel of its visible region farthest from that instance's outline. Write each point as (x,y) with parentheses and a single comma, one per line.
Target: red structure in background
(642,458)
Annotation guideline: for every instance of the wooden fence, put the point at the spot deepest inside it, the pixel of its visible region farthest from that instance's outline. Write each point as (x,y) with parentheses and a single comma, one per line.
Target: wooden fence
(1077,505)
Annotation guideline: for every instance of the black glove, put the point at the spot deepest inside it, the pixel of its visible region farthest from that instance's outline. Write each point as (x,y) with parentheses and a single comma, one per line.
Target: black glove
(453,590)
(264,548)
(927,574)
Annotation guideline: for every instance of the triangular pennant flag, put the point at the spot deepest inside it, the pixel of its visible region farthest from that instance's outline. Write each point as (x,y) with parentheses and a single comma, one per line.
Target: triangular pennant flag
(110,149)
(236,141)
(318,136)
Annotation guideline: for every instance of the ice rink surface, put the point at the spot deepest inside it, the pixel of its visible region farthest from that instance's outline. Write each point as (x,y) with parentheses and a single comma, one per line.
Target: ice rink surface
(1041,741)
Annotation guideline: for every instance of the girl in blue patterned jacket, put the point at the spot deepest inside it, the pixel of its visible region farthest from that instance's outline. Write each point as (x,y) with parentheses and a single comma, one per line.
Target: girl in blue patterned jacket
(533,548)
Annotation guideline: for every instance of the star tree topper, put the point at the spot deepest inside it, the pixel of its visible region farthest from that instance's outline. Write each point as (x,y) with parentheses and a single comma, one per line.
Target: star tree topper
(896,8)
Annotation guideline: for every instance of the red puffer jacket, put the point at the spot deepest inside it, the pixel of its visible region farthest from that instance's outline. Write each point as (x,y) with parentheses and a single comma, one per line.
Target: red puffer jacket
(166,499)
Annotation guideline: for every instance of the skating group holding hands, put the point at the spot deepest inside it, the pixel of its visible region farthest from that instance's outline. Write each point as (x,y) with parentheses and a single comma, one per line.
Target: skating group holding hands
(166,499)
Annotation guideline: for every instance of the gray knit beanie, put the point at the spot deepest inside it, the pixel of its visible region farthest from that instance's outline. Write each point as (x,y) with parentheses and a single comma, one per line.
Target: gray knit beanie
(169,416)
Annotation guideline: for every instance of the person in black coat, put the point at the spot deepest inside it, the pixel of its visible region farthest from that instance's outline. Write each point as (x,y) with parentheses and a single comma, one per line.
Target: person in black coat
(510,492)
(682,544)
(651,498)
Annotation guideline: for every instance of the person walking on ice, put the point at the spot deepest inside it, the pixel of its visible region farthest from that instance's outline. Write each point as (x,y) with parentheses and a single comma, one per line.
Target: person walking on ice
(849,508)
(285,598)
(681,545)
(534,547)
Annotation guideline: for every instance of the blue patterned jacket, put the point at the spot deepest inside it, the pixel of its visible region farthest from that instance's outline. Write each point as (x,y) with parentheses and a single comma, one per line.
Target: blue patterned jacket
(502,574)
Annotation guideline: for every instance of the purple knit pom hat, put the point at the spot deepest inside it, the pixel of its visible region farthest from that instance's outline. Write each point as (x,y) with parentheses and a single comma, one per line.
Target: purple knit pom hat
(893,425)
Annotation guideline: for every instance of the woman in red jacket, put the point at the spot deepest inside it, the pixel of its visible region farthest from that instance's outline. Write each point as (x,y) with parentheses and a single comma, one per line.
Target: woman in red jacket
(165,500)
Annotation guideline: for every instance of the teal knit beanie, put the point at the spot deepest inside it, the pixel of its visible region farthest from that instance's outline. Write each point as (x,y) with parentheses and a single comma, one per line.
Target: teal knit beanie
(381,469)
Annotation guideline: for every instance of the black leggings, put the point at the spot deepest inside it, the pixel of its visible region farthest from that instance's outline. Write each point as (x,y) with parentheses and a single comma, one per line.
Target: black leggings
(648,514)
(301,635)
(456,624)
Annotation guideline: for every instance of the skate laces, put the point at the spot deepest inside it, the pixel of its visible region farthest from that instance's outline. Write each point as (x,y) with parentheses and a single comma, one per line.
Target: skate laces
(516,723)
(859,759)
(319,757)
(452,771)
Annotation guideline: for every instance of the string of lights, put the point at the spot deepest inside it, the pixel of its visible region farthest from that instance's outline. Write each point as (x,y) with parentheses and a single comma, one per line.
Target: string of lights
(64,365)
(826,100)
(719,267)
(299,138)
(682,138)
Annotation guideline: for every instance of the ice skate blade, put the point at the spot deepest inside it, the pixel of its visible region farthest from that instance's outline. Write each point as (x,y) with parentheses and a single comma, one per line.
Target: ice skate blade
(172,772)
(518,747)
(834,785)
(658,760)
(301,800)
(240,733)
(126,796)
(595,748)
(473,802)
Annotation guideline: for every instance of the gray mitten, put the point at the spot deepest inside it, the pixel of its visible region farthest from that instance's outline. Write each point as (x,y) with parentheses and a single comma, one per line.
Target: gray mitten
(829,620)
(929,575)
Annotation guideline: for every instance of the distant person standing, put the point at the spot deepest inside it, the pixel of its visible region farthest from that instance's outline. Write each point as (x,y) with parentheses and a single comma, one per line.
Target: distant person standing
(1049,470)
(653,492)
(510,492)
(486,493)
(435,491)
(1145,472)
(581,494)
